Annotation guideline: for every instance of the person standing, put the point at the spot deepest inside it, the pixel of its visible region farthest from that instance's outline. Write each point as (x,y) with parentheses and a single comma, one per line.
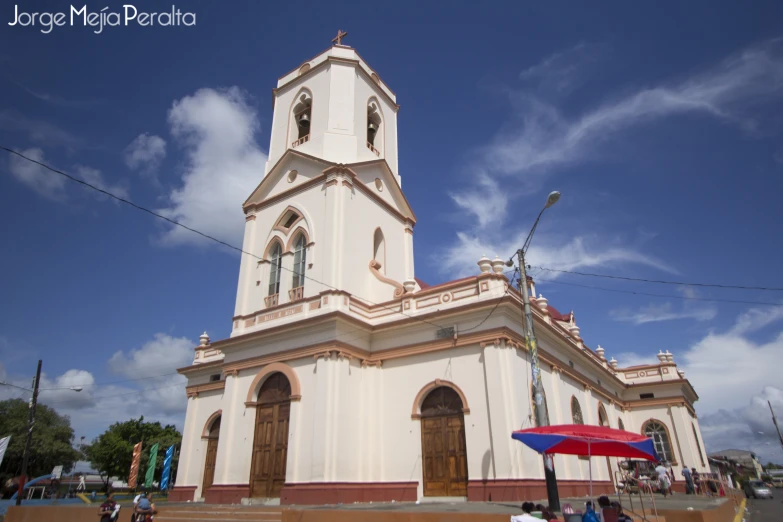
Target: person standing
(527,508)
(663,479)
(696,480)
(689,489)
(108,508)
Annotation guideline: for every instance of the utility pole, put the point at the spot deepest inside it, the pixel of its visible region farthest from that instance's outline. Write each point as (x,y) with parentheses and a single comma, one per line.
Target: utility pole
(29,440)
(776,423)
(542,417)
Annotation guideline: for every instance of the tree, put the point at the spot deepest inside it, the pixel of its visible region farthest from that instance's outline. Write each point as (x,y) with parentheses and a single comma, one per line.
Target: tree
(771,465)
(51,443)
(112,452)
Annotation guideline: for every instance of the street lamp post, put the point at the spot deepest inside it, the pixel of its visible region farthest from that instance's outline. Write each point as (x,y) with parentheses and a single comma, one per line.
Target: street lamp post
(542,417)
(30,423)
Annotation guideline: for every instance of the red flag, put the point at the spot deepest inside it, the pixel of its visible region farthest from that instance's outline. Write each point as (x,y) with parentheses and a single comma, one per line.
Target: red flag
(134,471)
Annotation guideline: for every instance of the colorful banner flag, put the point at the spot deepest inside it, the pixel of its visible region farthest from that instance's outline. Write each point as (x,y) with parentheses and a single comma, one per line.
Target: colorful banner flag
(134,471)
(164,480)
(4,446)
(151,466)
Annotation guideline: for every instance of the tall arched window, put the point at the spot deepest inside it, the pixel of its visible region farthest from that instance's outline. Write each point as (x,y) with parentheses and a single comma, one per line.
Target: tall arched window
(698,444)
(620,424)
(300,260)
(576,411)
(275,265)
(657,432)
(603,419)
(379,250)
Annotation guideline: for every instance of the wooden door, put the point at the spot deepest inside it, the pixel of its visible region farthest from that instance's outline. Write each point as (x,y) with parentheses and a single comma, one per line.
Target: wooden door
(444,455)
(270,443)
(211,457)
(209,465)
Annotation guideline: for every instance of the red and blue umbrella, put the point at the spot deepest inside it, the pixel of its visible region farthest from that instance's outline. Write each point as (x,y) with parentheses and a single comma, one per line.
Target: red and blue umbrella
(580,439)
(591,441)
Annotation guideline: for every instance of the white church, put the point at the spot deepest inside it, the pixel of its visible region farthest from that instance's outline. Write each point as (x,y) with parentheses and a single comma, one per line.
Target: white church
(348,379)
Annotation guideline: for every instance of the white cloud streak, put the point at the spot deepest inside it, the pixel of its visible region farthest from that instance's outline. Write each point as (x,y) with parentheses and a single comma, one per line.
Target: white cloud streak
(44,182)
(217,130)
(654,313)
(145,154)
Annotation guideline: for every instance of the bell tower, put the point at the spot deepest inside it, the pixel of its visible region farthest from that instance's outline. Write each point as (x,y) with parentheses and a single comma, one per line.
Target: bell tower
(335,107)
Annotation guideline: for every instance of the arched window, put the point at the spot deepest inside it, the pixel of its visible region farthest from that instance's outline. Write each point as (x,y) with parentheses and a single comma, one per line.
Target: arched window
(374,128)
(698,444)
(657,432)
(620,424)
(379,250)
(300,260)
(603,419)
(301,118)
(276,264)
(576,411)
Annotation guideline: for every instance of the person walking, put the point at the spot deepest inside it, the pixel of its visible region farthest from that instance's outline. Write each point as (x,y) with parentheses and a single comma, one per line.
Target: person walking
(689,489)
(663,479)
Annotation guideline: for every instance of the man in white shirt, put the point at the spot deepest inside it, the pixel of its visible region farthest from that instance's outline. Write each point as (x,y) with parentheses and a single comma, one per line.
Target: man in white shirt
(527,508)
(135,503)
(663,479)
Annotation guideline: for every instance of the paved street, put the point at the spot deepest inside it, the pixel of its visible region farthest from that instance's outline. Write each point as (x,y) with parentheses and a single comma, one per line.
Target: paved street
(765,510)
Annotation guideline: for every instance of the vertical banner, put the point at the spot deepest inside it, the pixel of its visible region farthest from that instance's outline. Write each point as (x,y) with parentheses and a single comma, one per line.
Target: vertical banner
(151,466)
(164,480)
(134,471)
(4,446)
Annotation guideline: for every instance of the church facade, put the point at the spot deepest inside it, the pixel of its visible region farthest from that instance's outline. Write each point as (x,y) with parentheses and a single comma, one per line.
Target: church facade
(345,378)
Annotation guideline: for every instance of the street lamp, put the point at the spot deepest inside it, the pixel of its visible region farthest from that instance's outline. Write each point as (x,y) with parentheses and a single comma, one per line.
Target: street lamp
(532,347)
(30,424)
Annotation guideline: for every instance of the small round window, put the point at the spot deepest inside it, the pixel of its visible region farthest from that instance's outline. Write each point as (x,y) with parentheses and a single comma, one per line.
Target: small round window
(292,176)
(379,184)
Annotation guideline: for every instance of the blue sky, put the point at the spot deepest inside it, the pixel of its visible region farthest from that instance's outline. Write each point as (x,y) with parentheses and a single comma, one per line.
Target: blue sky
(660,124)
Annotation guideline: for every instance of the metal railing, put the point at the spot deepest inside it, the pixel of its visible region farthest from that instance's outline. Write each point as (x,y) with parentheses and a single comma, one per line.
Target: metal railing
(632,486)
(376,151)
(295,294)
(303,139)
(271,300)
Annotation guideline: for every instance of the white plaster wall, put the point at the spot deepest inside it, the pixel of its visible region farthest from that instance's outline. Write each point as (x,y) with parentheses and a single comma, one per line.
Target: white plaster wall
(191,469)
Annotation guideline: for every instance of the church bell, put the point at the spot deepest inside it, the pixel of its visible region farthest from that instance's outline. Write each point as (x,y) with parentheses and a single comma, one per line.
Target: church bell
(372,127)
(304,120)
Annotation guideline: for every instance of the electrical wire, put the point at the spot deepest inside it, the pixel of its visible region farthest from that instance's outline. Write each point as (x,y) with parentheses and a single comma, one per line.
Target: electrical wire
(682,297)
(658,281)
(202,234)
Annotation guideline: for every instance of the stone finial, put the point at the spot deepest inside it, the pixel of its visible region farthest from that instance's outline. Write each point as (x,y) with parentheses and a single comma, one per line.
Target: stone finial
(542,302)
(600,351)
(485,265)
(669,356)
(204,339)
(574,329)
(681,372)
(613,363)
(498,265)
(661,356)
(409,285)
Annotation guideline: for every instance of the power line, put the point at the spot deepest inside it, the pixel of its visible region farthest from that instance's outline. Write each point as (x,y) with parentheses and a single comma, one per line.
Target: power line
(679,283)
(684,298)
(202,234)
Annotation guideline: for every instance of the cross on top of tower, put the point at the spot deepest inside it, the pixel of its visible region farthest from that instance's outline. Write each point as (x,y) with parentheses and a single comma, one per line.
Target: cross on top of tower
(340,35)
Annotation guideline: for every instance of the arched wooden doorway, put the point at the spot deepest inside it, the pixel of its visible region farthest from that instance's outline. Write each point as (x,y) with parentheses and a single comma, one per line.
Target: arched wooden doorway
(270,444)
(444,457)
(212,446)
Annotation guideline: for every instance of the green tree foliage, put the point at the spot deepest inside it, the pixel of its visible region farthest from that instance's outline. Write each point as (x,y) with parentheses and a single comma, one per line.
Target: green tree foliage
(112,452)
(51,444)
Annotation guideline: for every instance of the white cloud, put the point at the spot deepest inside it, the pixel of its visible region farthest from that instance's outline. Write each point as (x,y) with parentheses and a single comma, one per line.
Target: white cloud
(38,131)
(652,313)
(41,180)
(560,72)
(459,259)
(94,177)
(145,154)
(747,427)
(756,319)
(487,202)
(217,129)
(546,137)
(163,353)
